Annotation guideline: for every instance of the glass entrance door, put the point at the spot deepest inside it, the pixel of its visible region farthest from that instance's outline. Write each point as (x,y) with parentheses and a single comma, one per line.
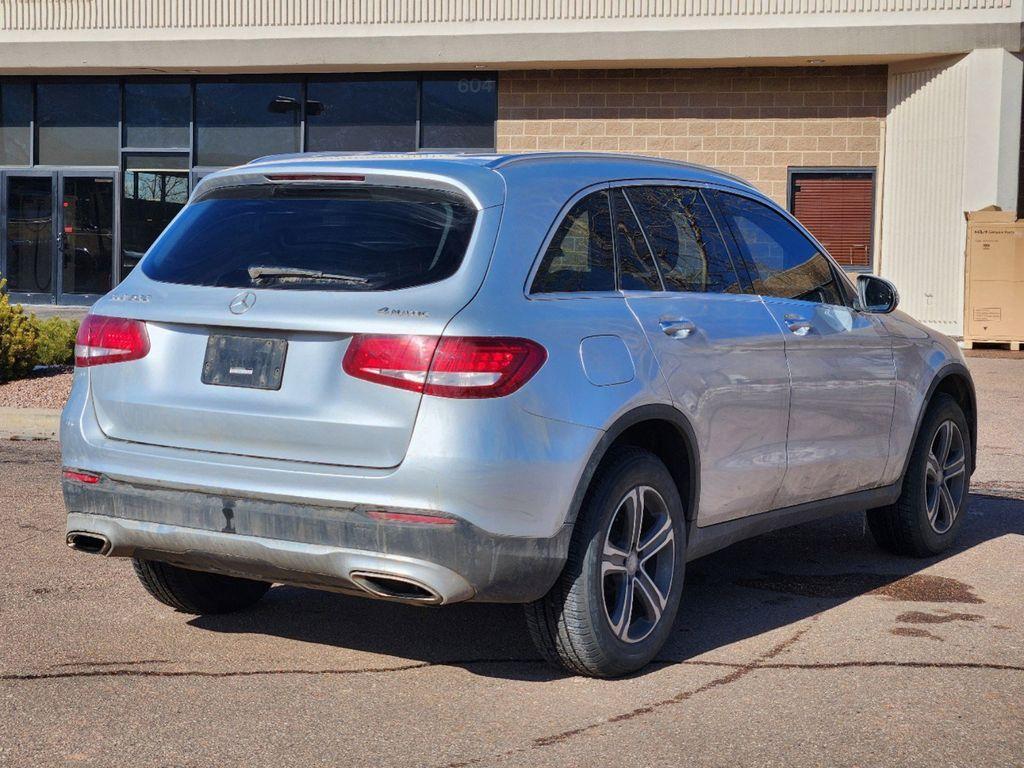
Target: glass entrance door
(86,236)
(30,237)
(58,235)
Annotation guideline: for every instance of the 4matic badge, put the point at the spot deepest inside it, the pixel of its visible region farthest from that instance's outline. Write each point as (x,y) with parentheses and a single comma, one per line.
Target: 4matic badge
(392,312)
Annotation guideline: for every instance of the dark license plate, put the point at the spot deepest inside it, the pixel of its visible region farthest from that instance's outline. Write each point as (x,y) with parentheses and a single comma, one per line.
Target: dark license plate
(244,361)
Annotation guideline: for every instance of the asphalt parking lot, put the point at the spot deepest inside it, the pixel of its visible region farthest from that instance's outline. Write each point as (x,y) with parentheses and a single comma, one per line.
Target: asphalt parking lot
(803,648)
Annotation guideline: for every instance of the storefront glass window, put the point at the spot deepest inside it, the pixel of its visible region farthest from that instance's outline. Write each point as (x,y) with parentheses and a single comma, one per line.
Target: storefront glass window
(239,121)
(77,122)
(155,189)
(458,112)
(364,113)
(157,114)
(15,123)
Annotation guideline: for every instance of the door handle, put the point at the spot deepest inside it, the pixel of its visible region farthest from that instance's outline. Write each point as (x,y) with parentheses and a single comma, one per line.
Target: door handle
(679,328)
(798,326)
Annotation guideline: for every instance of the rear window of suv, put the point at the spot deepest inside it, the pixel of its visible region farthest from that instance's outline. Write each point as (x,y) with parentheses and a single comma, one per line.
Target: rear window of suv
(298,237)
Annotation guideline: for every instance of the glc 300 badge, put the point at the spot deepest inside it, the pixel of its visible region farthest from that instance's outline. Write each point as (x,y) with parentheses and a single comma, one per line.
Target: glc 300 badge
(242,303)
(139,297)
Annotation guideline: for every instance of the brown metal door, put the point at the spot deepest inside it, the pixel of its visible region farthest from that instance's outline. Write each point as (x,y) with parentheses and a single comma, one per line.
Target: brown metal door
(838,210)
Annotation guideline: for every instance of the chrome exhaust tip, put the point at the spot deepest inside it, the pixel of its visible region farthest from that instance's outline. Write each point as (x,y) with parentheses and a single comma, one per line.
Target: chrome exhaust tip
(90,543)
(387,586)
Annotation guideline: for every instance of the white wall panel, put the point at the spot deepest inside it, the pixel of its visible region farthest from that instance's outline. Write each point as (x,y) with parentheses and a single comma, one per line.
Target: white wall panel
(952,139)
(922,215)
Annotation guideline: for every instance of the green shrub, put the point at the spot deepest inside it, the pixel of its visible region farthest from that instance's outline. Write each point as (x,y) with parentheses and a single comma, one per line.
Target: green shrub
(56,341)
(18,339)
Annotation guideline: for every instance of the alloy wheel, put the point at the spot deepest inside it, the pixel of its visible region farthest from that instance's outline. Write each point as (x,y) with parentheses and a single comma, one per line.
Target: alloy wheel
(945,476)
(638,564)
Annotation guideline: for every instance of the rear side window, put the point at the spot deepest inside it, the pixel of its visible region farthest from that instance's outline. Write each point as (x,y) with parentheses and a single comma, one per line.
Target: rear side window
(636,268)
(783,262)
(297,237)
(580,256)
(686,241)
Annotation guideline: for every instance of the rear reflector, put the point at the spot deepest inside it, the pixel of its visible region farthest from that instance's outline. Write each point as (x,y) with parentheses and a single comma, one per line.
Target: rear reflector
(81,477)
(449,366)
(104,339)
(409,517)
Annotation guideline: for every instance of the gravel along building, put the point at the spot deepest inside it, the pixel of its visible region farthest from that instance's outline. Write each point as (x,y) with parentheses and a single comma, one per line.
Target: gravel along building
(878,122)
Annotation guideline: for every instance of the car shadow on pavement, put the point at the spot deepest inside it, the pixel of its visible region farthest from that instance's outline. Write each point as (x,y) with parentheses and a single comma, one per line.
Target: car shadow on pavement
(749,589)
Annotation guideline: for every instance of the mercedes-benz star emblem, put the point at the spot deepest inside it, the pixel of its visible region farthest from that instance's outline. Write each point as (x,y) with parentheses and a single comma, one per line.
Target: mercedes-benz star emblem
(242,303)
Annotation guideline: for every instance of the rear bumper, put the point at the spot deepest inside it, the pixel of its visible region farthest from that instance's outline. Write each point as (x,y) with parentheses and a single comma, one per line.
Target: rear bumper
(329,547)
(487,462)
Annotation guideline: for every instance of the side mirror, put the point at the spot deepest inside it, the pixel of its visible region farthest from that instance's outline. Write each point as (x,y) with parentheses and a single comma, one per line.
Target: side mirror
(876,294)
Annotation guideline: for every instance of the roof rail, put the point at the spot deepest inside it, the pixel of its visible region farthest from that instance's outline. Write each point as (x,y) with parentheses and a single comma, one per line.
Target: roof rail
(526,157)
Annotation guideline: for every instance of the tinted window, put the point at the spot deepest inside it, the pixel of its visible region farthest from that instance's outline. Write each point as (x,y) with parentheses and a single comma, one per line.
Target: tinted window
(685,238)
(302,238)
(87,247)
(361,114)
(580,257)
(15,117)
(240,121)
(78,123)
(157,114)
(155,189)
(783,262)
(458,112)
(636,269)
(29,241)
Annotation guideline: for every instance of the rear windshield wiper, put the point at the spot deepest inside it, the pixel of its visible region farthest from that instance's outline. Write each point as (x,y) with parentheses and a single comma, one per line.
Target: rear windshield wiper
(297,275)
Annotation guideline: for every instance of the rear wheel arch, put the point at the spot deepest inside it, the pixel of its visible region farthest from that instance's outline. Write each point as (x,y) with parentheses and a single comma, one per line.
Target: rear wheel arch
(955,380)
(664,431)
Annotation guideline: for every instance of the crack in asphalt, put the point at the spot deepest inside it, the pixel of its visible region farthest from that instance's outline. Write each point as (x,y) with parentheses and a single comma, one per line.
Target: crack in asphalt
(739,671)
(30,676)
(127,663)
(759,663)
(36,533)
(868,664)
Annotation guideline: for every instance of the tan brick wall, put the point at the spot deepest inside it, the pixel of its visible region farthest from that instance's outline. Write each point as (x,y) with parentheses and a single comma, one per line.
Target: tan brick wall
(754,122)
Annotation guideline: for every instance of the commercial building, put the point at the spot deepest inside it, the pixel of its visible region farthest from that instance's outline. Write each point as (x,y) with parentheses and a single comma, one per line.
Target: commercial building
(879,122)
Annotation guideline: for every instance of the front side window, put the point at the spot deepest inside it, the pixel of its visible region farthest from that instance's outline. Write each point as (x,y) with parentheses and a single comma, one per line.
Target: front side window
(294,237)
(580,256)
(687,244)
(783,262)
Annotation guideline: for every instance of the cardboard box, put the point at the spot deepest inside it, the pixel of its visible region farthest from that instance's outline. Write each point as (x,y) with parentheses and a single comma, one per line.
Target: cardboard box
(994,277)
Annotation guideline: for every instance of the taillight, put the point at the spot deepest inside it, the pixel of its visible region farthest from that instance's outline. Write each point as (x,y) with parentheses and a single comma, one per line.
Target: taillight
(449,366)
(103,339)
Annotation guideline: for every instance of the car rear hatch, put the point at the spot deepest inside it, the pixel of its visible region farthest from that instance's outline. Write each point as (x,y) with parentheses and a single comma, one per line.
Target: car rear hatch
(253,295)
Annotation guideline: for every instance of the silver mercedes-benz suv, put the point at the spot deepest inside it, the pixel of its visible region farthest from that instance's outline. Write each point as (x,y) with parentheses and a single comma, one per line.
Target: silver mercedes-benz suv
(544,379)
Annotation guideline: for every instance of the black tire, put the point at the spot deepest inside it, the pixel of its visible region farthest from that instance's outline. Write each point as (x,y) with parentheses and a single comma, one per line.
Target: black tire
(907,527)
(196,591)
(572,626)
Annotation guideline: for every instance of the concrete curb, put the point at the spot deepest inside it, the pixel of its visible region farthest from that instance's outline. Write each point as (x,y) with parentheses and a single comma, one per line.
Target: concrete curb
(29,423)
